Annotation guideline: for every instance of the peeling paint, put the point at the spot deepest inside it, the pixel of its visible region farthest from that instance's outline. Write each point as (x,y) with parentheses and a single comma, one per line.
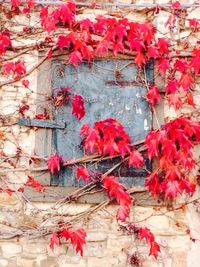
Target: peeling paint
(146,127)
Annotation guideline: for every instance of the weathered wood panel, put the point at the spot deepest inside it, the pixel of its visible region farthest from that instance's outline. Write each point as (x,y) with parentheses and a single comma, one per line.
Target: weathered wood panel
(110,89)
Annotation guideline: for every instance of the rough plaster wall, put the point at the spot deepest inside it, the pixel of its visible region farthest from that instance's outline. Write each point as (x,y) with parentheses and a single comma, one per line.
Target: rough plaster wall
(106,245)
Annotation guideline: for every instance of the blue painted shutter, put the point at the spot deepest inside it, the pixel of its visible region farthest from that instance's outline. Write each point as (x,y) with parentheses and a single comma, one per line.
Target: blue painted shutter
(110,89)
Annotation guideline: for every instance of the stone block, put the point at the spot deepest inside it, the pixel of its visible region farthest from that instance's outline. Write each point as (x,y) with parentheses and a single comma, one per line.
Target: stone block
(95,249)
(119,243)
(10,249)
(158,223)
(25,261)
(49,262)
(179,259)
(96,236)
(35,248)
(95,262)
(3,262)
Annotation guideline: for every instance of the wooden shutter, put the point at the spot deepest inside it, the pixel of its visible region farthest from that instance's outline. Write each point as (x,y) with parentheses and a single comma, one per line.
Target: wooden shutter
(110,88)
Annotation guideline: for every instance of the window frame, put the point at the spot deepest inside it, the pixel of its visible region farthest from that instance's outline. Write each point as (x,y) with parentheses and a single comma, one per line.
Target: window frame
(44,136)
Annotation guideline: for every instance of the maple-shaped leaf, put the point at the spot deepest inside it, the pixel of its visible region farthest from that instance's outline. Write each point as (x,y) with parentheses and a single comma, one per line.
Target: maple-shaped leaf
(86,24)
(118,47)
(190,99)
(63,41)
(136,44)
(25,83)
(8,67)
(195,62)
(172,189)
(123,213)
(48,21)
(15,2)
(136,159)
(186,81)
(175,101)
(140,59)
(163,65)
(153,52)
(120,31)
(117,190)
(78,108)
(65,233)
(74,58)
(172,86)
(153,184)
(154,249)
(152,142)
(34,183)
(20,68)
(54,163)
(102,48)
(145,233)
(78,240)
(82,172)
(181,65)
(54,240)
(31,3)
(153,96)
(163,45)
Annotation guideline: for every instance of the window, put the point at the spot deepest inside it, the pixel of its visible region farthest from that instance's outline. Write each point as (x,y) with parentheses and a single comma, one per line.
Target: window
(110,88)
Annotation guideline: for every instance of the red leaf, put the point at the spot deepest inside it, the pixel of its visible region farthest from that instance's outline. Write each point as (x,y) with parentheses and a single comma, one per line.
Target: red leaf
(25,83)
(23,108)
(8,68)
(172,87)
(172,189)
(54,240)
(49,53)
(181,65)
(176,4)
(153,96)
(140,59)
(54,163)
(195,62)
(123,213)
(186,81)
(163,45)
(116,190)
(82,172)
(86,24)
(78,108)
(78,240)
(175,101)
(63,41)
(31,3)
(154,249)
(41,116)
(136,159)
(74,58)
(163,65)
(102,48)
(190,99)
(194,24)
(15,2)
(145,233)
(34,183)
(137,45)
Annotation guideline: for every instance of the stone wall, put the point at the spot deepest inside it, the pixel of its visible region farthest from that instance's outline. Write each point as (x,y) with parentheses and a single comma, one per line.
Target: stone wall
(106,244)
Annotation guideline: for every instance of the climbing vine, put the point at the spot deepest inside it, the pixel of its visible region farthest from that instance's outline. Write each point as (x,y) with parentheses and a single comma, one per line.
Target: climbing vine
(172,144)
